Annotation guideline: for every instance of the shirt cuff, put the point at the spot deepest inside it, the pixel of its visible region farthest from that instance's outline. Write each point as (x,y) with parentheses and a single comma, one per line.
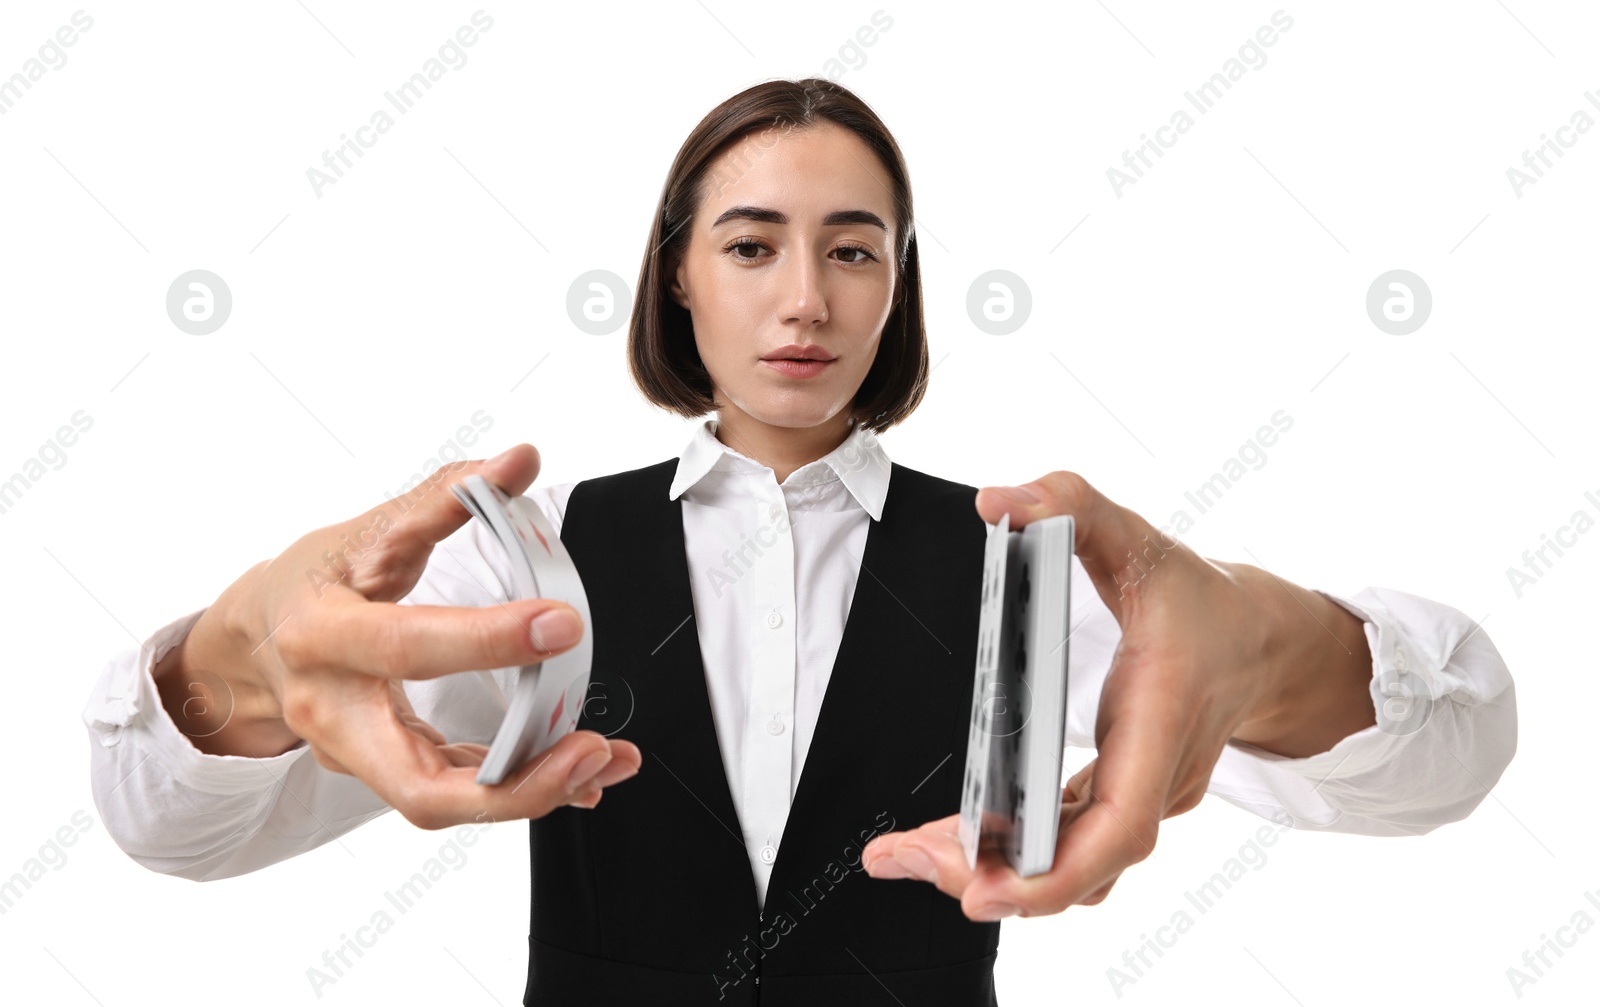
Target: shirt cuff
(1403,692)
(1446,728)
(126,704)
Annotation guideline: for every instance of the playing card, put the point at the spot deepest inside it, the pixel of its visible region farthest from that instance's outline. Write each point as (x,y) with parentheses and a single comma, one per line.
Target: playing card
(978,791)
(1011,792)
(1040,607)
(549,696)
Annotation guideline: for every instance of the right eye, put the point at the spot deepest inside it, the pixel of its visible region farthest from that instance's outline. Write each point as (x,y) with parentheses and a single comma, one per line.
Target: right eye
(744,247)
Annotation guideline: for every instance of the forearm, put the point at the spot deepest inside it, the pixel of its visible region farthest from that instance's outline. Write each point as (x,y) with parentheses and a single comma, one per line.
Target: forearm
(1447,729)
(179,811)
(1318,666)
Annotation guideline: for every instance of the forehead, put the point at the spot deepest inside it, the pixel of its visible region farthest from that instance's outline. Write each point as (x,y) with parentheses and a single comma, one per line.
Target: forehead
(805,173)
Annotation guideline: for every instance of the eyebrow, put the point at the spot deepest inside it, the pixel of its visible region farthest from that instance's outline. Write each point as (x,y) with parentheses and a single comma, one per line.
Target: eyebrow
(766,216)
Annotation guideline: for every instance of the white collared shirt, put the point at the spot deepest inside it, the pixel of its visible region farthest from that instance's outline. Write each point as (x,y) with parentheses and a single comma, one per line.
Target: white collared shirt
(772,569)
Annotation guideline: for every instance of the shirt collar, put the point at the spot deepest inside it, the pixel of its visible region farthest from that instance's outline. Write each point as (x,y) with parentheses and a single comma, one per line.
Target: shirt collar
(859,462)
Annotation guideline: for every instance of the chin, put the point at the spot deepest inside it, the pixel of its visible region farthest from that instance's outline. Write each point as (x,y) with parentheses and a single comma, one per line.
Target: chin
(793,420)
(792,415)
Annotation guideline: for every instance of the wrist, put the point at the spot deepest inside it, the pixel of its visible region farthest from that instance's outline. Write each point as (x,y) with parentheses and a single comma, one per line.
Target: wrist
(213,693)
(1316,671)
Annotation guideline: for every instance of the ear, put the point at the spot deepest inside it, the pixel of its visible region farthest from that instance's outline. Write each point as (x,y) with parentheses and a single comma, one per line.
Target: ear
(676,284)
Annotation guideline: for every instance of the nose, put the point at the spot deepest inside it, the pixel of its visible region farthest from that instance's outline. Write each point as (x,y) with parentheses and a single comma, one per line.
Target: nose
(807,303)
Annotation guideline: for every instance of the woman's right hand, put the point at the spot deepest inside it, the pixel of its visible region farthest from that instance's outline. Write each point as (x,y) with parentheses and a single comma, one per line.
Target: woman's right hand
(294,650)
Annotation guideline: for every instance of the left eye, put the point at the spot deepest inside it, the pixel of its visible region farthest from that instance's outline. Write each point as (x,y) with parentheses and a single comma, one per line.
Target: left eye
(749,251)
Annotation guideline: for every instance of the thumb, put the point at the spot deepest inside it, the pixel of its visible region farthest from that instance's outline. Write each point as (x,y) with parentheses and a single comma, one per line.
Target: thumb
(1115,545)
(388,546)
(430,512)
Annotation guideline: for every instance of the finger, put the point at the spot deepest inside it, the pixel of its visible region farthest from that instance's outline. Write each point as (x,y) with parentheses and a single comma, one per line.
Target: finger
(887,867)
(1099,894)
(381,554)
(1117,547)
(1077,788)
(429,513)
(415,777)
(623,765)
(1127,794)
(882,846)
(463,754)
(938,857)
(931,852)
(426,641)
(408,716)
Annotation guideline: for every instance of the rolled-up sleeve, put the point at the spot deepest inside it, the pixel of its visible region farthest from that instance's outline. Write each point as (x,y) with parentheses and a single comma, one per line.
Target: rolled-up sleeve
(179,811)
(1446,729)
(1442,697)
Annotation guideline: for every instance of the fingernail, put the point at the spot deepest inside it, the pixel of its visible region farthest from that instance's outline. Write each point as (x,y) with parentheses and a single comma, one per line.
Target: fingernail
(1018,494)
(587,770)
(917,862)
(888,868)
(555,629)
(994,911)
(615,772)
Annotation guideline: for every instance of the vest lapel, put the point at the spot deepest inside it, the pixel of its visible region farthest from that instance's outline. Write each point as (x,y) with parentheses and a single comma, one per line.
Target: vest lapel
(827,768)
(881,754)
(689,750)
(855,697)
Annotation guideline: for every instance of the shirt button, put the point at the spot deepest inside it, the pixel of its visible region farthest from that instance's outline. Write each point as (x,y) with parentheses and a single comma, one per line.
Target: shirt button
(776,510)
(774,620)
(774,726)
(768,854)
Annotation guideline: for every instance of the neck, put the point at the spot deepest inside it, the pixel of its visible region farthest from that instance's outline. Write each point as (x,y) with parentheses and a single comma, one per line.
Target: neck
(782,449)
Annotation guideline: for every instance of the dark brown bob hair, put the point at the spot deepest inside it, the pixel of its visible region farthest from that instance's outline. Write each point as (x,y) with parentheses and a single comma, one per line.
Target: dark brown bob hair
(662,356)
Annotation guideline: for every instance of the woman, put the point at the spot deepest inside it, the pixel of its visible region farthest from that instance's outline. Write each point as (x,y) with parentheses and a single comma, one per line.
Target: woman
(784,629)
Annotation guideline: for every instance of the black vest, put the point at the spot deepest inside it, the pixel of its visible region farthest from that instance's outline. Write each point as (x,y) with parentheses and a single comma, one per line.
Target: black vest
(648,898)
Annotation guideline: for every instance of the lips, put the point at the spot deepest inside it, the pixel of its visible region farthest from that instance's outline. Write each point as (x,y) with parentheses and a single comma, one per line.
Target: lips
(794,351)
(797,368)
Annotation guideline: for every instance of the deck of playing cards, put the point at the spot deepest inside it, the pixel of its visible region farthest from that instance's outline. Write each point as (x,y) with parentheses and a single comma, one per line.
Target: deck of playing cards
(549,696)
(1012,790)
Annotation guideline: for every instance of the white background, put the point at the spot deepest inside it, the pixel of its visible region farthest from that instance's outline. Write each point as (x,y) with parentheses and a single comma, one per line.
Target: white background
(1230,282)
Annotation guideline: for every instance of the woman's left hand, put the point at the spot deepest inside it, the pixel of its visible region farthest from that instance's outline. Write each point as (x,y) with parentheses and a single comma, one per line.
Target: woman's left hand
(1209,652)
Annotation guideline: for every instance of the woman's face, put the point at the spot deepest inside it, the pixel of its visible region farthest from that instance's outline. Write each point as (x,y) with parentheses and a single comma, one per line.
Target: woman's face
(792,245)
